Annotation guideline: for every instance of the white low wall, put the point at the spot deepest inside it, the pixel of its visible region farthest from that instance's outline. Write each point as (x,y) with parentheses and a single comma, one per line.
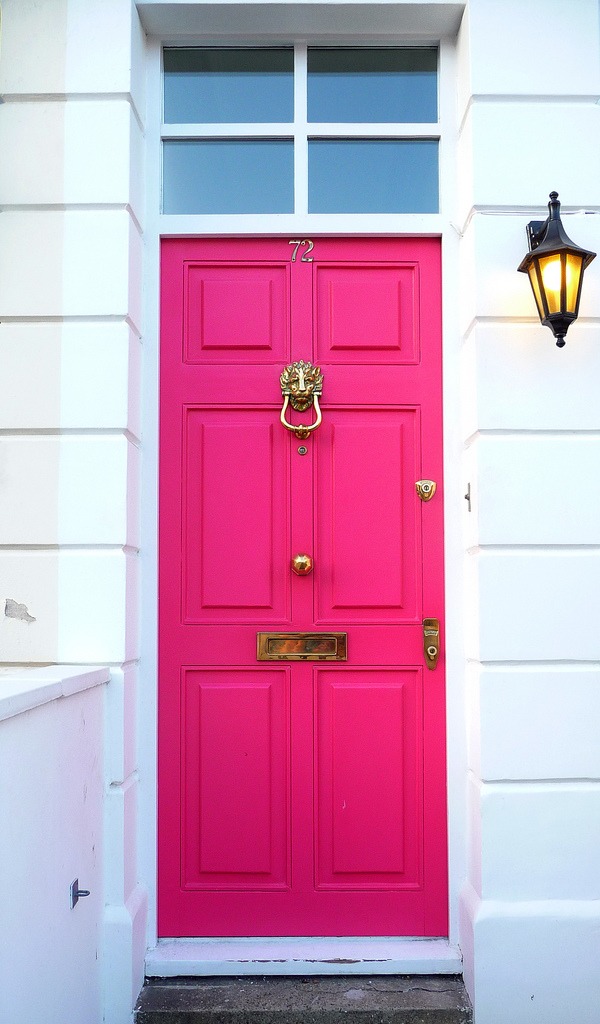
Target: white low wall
(51,822)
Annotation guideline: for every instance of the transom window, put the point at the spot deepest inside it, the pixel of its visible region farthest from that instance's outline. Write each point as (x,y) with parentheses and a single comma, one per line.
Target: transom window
(284,130)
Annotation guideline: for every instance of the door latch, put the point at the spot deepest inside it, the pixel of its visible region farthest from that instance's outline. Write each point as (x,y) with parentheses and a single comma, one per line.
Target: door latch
(431,641)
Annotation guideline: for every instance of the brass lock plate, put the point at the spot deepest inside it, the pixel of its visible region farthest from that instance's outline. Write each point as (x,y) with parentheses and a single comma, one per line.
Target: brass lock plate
(431,641)
(301,646)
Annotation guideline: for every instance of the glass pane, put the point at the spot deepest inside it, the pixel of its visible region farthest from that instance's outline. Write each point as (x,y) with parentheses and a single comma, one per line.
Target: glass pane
(573,274)
(372,85)
(372,176)
(206,85)
(228,176)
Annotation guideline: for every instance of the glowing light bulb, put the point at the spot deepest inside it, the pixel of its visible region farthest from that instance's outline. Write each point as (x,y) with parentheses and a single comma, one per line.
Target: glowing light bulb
(551,276)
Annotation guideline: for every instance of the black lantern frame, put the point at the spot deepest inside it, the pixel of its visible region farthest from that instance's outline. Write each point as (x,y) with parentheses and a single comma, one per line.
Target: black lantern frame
(555,266)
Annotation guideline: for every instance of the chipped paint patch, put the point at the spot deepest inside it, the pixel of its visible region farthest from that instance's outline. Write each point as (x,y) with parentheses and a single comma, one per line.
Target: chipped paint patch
(14,610)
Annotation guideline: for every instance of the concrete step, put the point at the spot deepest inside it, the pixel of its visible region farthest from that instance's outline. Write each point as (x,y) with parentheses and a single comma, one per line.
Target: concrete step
(383,999)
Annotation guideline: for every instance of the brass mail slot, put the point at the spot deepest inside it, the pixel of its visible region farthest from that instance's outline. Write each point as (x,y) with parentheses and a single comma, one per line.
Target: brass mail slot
(301,646)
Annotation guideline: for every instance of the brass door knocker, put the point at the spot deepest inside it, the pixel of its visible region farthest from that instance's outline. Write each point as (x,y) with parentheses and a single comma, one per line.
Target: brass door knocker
(301,385)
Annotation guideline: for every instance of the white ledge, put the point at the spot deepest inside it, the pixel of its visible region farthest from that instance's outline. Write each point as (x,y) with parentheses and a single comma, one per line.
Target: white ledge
(22,689)
(172,958)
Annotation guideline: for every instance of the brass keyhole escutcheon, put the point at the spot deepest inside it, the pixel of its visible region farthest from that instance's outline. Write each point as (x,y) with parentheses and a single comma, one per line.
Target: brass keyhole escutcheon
(426,489)
(431,641)
(302,564)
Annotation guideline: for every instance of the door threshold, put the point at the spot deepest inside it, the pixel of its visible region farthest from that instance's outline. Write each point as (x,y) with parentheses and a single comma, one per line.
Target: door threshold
(173,958)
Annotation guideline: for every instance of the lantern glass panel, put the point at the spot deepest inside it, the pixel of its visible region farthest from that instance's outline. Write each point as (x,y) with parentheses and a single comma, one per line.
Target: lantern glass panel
(551,269)
(574,269)
(532,270)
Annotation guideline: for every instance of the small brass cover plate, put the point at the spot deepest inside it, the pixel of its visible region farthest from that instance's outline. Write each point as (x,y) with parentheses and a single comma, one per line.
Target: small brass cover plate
(426,489)
(301,646)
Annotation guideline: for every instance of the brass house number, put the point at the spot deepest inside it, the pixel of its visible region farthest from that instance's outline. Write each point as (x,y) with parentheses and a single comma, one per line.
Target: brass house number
(305,258)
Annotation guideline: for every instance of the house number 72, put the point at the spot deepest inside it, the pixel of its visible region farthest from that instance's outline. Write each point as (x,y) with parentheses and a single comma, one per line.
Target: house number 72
(305,258)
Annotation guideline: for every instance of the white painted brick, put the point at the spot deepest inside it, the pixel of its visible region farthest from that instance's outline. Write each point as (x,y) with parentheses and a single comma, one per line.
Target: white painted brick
(516,379)
(97,152)
(492,249)
(104,48)
(514,127)
(29,483)
(99,494)
(540,841)
(538,490)
(29,578)
(535,48)
(538,606)
(68,490)
(539,723)
(33,47)
(82,147)
(69,264)
(84,605)
(534,962)
(73,375)
(71,46)
(100,377)
(120,725)
(98,602)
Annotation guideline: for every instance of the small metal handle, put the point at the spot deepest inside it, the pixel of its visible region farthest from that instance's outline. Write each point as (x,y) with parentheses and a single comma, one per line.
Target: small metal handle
(301,431)
(302,564)
(431,641)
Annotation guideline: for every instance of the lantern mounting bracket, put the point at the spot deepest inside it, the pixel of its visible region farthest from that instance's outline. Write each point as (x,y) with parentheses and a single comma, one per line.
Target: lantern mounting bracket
(536,229)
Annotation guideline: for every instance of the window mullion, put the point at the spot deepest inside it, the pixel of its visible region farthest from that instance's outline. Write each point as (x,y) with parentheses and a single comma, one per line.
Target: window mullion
(300,130)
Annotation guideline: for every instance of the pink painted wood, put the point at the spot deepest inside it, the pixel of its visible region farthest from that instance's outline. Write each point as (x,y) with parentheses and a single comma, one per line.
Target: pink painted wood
(300,798)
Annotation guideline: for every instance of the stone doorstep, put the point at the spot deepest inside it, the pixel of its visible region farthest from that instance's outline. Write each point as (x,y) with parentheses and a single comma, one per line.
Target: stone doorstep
(382,999)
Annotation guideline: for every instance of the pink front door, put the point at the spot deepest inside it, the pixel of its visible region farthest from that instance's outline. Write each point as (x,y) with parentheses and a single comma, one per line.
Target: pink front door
(300,797)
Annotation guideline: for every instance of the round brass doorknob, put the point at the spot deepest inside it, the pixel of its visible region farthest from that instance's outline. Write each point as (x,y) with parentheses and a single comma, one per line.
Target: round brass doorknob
(302,564)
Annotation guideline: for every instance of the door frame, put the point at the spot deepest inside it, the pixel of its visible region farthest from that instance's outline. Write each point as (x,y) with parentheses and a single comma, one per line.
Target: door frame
(158,226)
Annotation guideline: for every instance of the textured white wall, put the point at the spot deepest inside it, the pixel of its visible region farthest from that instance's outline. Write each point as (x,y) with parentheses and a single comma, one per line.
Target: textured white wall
(530,425)
(51,810)
(71,247)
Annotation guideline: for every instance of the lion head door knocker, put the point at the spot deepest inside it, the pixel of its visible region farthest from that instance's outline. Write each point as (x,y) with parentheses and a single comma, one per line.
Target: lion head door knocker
(301,385)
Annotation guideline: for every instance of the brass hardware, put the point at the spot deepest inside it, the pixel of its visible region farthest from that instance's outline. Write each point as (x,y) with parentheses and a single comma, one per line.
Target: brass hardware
(302,564)
(301,646)
(431,641)
(301,385)
(302,449)
(305,258)
(426,489)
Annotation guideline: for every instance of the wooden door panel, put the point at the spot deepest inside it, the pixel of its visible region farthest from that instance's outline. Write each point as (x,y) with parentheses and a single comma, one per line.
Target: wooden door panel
(368,772)
(236,778)
(234,310)
(367,528)
(366,315)
(235,516)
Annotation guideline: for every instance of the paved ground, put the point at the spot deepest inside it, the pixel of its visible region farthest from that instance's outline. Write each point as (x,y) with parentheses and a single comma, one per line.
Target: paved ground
(323,1000)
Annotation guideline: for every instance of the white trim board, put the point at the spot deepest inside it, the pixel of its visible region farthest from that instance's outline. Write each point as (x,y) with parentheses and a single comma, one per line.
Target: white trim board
(173,958)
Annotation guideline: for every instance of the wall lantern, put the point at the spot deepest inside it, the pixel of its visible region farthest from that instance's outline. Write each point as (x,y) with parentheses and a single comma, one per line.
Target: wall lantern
(555,266)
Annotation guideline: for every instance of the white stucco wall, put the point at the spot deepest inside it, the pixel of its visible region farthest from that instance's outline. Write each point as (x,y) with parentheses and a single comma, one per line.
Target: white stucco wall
(530,424)
(71,248)
(51,812)
(77,248)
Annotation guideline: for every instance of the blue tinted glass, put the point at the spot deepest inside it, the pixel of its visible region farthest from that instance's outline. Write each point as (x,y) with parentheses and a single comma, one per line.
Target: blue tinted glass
(372,176)
(372,84)
(228,176)
(205,85)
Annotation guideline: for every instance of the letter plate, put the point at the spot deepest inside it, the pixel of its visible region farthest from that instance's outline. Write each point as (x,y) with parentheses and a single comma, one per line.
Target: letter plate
(301,646)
